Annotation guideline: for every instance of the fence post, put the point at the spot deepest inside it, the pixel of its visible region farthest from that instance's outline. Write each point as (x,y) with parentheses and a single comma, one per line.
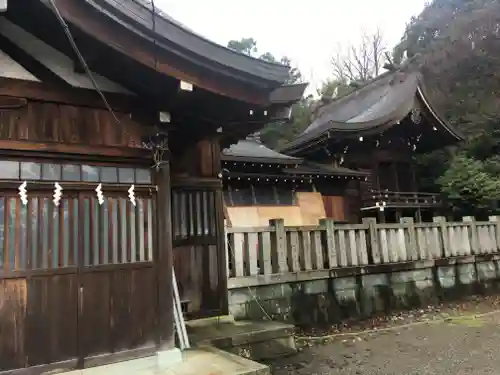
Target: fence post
(229,256)
(445,250)
(278,248)
(331,249)
(496,220)
(412,246)
(373,235)
(474,238)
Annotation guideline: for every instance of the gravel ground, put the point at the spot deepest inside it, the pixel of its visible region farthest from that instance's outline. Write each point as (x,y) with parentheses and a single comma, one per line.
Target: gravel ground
(461,344)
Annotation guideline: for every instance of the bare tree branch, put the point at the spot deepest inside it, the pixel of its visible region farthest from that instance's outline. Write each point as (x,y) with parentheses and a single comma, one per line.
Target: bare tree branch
(361,61)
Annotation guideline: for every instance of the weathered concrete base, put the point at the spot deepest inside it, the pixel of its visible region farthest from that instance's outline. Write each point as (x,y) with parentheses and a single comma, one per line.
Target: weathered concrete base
(168,358)
(255,340)
(332,300)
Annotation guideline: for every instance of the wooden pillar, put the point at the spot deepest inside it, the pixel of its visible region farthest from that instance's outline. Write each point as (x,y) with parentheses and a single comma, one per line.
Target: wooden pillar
(164,259)
(381,216)
(418,215)
(222,254)
(414,177)
(394,168)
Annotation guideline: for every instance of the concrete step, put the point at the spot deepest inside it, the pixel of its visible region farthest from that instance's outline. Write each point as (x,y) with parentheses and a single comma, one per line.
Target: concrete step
(203,360)
(255,340)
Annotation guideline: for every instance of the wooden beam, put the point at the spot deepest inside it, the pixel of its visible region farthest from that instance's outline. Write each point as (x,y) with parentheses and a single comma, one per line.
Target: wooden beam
(65,95)
(117,37)
(17,147)
(31,64)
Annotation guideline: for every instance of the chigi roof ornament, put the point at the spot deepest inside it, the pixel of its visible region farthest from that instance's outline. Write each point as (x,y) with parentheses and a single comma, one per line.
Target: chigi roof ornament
(3,5)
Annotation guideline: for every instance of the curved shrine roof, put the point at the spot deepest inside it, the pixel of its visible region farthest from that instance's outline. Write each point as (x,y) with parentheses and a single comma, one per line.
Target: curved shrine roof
(374,107)
(253,150)
(178,36)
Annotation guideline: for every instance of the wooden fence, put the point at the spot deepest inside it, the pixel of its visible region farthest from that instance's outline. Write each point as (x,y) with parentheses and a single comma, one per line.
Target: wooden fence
(277,249)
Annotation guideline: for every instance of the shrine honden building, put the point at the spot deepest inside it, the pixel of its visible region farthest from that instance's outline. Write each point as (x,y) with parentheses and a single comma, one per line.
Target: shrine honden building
(261,184)
(100,193)
(378,129)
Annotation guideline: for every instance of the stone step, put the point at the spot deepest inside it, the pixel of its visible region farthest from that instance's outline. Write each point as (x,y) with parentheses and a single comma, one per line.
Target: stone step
(255,340)
(203,360)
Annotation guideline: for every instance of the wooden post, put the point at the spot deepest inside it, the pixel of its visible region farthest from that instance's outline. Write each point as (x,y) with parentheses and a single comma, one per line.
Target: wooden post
(496,220)
(278,257)
(445,249)
(227,248)
(164,259)
(331,249)
(374,245)
(221,251)
(414,253)
(474,238)
(418,215)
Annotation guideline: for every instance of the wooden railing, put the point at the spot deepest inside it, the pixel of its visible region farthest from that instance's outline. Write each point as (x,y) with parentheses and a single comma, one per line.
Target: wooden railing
(401,199)
(278,250)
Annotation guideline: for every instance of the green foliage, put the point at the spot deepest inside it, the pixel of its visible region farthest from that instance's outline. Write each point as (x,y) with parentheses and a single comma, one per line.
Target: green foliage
(247,46)
(456,44)
(275,135)
(332,88)
(468,185)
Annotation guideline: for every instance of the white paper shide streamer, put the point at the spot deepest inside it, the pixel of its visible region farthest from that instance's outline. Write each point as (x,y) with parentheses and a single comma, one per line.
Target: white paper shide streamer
(100,196)
(57,193)
(131,195)
(23,193)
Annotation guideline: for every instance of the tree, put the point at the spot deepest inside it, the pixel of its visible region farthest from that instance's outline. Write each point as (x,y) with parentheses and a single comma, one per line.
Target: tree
(277,134)
(332,88)
(468,186)
(361,61)
(456,45)
(248,46)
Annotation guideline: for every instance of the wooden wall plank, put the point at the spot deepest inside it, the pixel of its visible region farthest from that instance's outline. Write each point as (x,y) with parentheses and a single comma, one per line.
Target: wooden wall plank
(95,323)
(66,125)
(13,301)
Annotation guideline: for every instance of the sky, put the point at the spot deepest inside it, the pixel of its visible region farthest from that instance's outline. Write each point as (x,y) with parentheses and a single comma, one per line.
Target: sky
(309,32)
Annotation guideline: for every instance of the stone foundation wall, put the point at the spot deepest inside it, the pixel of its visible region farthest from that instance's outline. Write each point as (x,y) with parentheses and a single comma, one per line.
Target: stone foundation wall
(361,293)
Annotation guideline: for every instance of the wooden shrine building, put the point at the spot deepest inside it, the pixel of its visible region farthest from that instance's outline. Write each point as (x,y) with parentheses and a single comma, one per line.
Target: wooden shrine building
(112,116)
(261,184)
(379,128)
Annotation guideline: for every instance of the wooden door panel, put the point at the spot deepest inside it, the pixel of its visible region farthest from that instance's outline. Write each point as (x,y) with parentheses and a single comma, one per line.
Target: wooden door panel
(95,327)
(132,312)
(38,282)
(119,295)
(197,252)
(197,271)
(51,319)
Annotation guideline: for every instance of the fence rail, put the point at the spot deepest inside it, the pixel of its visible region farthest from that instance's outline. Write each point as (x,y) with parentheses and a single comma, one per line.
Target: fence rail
(277,249)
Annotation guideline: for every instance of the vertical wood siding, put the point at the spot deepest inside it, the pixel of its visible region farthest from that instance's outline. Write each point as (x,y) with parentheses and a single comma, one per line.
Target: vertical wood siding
(79,275)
